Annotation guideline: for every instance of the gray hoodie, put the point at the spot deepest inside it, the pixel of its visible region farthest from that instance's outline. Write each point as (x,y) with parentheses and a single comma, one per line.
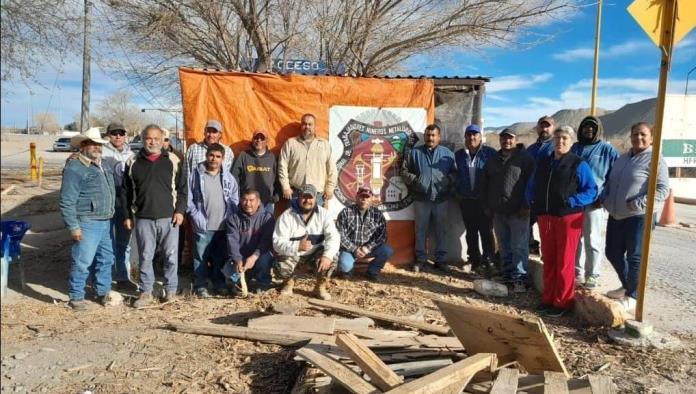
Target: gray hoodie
(626,191)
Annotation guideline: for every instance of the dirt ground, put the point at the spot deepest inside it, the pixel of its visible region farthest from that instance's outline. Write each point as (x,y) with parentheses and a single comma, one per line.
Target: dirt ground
(46,347)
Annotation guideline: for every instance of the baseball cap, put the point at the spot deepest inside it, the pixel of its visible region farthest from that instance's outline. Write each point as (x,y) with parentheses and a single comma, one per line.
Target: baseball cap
(258,133)
(364,191)
(308,189)
(508,131)
(473,128)
(589,121)
(546,119)
(114,126)
(214,124)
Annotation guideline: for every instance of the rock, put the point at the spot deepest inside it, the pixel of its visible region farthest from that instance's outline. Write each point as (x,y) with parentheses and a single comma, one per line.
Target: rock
(489,288)
(20,356)
(115,299)
(284,309)
(595,309)
(638,329)
(655,339)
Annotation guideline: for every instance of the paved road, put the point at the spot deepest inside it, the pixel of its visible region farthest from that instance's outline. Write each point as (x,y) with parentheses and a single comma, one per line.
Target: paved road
(671,295)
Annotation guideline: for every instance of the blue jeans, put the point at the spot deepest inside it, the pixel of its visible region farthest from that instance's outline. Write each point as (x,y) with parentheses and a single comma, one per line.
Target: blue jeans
(512,232)
(427,212)
(381,254)
(121,247)
(96,250)
(261,272)
(209,246)
(623,250)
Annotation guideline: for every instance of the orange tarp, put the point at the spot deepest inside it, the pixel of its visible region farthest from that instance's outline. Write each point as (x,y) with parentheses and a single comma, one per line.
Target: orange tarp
(244,102)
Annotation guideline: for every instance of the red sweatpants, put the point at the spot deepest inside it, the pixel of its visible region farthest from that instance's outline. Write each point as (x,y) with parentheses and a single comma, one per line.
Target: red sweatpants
(559,243)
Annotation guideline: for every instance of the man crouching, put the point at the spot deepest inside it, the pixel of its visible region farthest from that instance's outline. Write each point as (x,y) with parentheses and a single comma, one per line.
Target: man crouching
(306,233)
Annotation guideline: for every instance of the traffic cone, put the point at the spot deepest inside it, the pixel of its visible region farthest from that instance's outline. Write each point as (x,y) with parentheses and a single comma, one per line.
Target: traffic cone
(669,216)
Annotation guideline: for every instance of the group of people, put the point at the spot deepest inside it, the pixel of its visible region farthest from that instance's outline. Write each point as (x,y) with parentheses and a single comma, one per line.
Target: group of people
(108,192)
(565,185)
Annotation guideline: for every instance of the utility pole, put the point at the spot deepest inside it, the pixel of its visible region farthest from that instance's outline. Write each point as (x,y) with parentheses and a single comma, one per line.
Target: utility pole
(86,71)
(595,68)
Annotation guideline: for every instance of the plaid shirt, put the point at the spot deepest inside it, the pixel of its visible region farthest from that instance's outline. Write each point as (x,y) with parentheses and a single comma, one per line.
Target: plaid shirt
(196,154)
(361,230)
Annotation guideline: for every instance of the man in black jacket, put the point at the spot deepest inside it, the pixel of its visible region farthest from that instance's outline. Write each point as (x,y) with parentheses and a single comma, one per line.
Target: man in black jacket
(504,182)
(155,195)
(257,169)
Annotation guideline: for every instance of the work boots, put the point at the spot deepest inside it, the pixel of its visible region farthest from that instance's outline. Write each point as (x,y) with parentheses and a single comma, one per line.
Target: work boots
(286,290)
(320,289)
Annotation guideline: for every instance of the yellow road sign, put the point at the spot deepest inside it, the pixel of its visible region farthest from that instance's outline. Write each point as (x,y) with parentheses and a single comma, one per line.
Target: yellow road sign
(648,14)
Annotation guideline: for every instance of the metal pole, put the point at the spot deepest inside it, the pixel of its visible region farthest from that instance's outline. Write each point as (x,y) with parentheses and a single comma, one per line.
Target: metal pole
(86,71)
(595,69)
(666,43)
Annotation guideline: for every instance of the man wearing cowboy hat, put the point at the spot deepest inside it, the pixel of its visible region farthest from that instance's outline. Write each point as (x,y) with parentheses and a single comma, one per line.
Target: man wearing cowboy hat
(87,197)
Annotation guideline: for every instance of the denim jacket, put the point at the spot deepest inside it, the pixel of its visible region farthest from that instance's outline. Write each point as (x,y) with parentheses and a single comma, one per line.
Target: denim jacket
(87,192)
(196,205)
(429,174)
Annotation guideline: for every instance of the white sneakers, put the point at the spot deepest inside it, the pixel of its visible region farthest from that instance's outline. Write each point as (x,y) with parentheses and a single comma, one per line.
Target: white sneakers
(617,294)
(629,304)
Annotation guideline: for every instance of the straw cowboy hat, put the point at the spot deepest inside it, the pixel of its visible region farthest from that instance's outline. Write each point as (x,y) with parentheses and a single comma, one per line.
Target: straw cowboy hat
(93,134)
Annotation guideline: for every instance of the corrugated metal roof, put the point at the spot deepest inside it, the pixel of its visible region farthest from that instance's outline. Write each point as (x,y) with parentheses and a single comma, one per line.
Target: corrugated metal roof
(439,80)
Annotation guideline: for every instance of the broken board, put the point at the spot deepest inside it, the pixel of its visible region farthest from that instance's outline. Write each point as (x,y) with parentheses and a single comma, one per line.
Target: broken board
(317,325)
(511,338)
(342,374)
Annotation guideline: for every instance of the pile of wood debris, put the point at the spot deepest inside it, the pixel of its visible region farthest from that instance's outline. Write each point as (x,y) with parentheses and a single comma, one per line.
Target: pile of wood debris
(490,352)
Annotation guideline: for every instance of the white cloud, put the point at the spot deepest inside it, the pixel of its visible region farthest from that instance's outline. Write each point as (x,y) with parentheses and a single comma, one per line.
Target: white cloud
(612,51)
(613,94)
(516,82)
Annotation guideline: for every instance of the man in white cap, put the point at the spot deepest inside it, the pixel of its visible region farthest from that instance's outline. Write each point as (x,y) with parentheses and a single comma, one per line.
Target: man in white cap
(212,134)
(87,197)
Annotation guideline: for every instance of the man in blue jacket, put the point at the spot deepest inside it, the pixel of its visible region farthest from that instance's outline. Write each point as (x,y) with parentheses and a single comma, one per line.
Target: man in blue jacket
(470,162)
(212,198)
(87,198)
(250,241)
(428,172)
(600,156)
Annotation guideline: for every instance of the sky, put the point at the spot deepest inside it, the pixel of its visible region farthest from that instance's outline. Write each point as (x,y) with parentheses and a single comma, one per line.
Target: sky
(526,82)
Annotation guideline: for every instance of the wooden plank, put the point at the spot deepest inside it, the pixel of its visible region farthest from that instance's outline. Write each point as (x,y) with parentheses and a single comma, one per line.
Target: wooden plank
(382,334)
(266,336)
(417,368)
(380,374)
(318,325)
(506,381)
(425,327)
(352,325)
(511,338)
(342,374)
(601,384)
(456,375)
(555,383)
(434,341)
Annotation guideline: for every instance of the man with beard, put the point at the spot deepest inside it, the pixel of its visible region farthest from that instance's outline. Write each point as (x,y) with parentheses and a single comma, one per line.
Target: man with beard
(155,195)
(600,155)
(306,233)
(306,160)
(541,148)
(363,231)
(87,197)
(256,169)
(213,196)
(428,171)
(250,241)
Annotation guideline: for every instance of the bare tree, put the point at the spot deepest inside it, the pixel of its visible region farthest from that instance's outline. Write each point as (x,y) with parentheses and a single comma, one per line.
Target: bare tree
(46,121)
(361,37)
(36,32)
(119,107)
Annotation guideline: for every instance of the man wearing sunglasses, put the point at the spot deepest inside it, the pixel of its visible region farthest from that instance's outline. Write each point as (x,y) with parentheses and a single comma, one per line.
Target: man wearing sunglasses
(114,156)
(256,169)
